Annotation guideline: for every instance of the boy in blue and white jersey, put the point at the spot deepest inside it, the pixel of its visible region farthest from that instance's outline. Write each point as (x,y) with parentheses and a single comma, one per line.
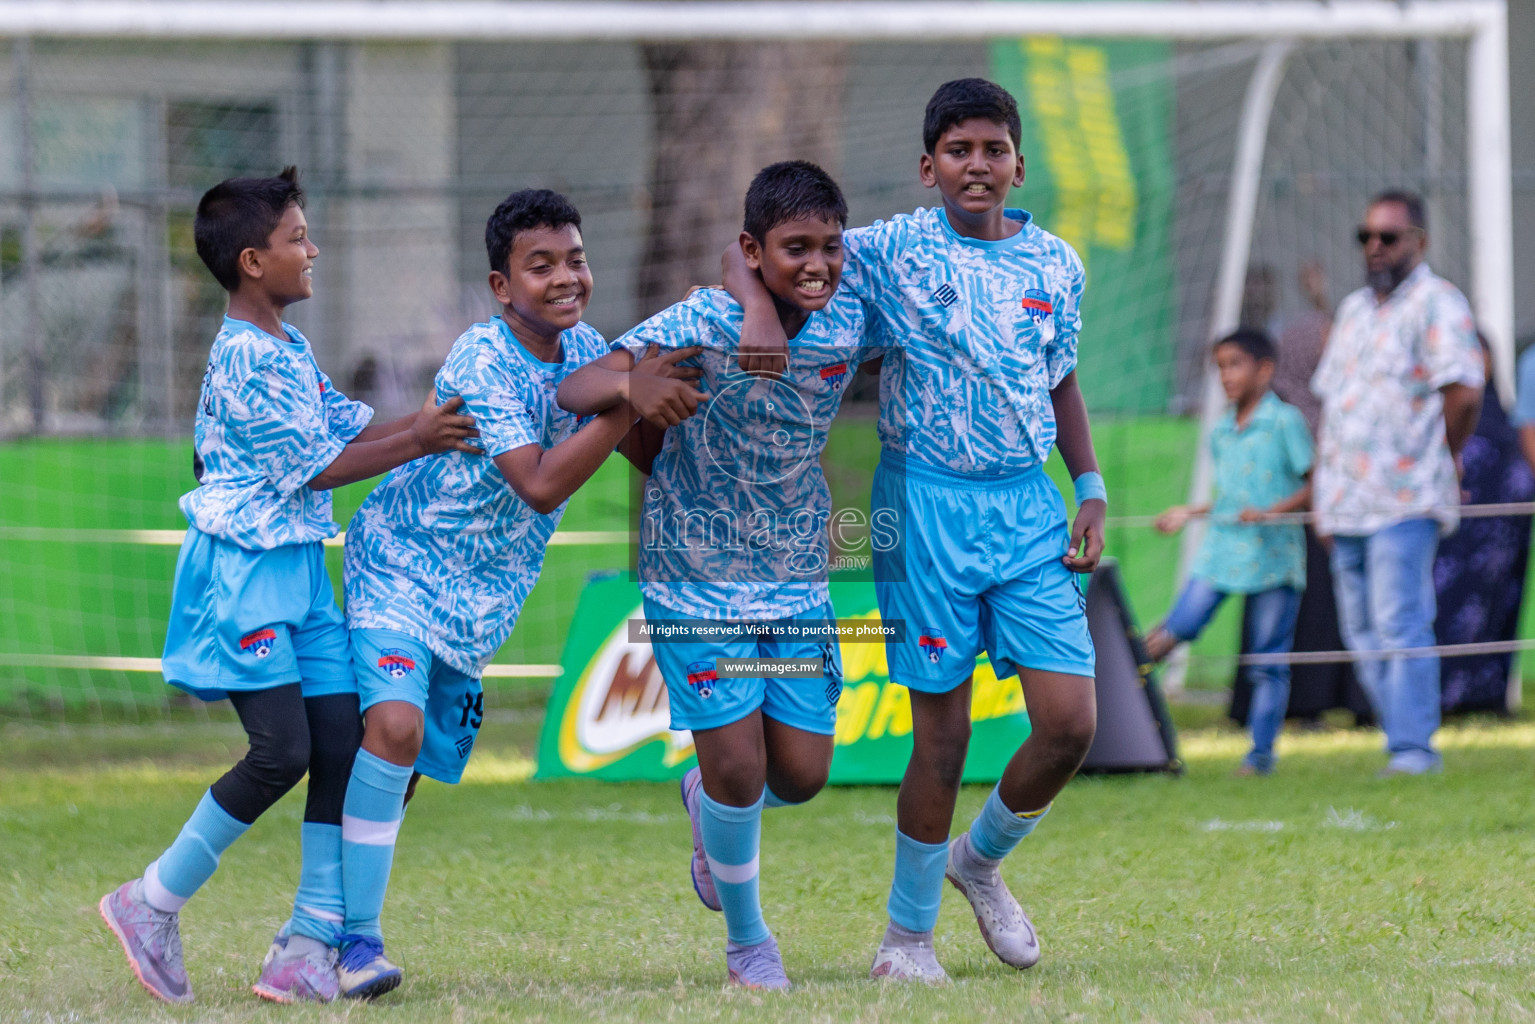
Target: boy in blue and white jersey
(734,546)
(981,308)
(441,556)
(253,615)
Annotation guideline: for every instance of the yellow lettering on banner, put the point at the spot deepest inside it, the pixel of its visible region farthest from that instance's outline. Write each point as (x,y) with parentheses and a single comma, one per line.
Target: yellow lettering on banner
(1009,698)
(1071,98)
(893,714)
(991,697)
(1049,90)
(1114,225)
(862,659)
(853,710)
(983,693)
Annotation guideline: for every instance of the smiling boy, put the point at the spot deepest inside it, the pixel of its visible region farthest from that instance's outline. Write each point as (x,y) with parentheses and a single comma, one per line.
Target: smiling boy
(253,616)
(442,555)
(734,532)
(980,305)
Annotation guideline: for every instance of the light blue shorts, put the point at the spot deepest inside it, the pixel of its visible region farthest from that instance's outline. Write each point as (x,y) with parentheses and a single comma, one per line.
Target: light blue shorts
(245,620)
(699,699)
(396,666)
(977,564)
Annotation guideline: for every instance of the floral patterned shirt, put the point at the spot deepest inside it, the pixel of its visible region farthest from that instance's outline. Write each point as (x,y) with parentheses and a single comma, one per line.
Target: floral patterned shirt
(1382,457)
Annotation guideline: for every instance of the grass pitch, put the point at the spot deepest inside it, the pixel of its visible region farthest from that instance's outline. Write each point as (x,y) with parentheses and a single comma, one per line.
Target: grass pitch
(1319,894)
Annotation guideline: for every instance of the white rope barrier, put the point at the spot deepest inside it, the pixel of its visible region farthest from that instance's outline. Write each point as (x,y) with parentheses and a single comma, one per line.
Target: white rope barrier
(606,538)
(1441,651)
(1489,511)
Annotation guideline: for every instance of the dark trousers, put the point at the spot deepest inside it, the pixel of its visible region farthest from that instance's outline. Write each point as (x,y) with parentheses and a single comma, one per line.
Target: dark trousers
(1313,688)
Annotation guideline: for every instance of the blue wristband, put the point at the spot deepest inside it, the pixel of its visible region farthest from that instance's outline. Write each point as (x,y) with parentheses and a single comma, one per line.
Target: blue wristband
(1090,485)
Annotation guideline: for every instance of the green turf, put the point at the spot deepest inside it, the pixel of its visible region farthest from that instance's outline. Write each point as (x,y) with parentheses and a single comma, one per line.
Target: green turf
(1320,894)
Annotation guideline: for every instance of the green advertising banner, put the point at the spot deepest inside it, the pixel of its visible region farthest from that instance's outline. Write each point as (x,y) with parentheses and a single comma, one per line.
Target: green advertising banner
(1097,122)
(608,716)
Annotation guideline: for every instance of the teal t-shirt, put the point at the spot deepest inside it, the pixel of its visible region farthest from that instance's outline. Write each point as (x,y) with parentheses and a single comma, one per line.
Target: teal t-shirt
(1262,463)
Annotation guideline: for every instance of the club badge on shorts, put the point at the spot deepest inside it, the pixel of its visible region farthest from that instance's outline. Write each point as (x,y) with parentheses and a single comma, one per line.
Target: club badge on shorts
(932,643)
(258,643)
(397,664)
(702,677)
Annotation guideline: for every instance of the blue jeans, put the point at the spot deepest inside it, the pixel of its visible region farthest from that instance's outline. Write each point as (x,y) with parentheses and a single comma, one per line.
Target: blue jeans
(1385,588)
(1271,620)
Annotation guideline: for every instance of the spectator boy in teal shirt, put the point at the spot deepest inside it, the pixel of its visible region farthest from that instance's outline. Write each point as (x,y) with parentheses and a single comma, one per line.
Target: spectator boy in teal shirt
(1262,452)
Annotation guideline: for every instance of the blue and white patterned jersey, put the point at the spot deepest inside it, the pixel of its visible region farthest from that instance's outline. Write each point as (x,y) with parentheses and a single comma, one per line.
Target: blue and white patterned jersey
(733,524)
(268,422)
(980,333)
(444,550)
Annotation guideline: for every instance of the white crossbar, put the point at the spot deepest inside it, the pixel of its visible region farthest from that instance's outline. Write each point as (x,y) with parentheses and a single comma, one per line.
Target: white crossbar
(858,20)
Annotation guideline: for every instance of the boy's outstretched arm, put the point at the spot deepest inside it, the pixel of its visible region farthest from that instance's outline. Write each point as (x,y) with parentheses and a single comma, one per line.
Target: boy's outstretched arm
(656,388)
(764,350)
(436,428)
(1074,438)
(544,478)
(379,431)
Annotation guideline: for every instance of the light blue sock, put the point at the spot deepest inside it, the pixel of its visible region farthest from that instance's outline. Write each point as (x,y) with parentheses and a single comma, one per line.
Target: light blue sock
(191,860)
(996,830)
(918,885)
(732,836)
(319,908)
(370,823)
(772,799)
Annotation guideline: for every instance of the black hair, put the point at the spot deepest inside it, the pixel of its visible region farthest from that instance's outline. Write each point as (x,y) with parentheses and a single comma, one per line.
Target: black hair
(790,190)
(1253,341)
(1409,201)
(525,210)
(239,214)
(965,98)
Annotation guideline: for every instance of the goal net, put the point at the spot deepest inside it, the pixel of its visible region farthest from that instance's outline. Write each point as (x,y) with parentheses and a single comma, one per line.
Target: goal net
(1198,191)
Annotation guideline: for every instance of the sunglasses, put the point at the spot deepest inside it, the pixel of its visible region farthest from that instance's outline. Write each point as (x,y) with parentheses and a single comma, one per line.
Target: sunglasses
(1387,238)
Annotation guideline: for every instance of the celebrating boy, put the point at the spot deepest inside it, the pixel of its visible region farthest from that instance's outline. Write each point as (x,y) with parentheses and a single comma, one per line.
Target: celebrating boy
(253,615)
(734,540)
(442,555)
(980,305)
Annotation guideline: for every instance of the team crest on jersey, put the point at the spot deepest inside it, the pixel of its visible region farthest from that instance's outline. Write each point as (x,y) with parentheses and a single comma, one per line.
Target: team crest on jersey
(258,643)
(946,295)
(932,643)
(1037,304)
(834,375)
(702,677)
(397,664)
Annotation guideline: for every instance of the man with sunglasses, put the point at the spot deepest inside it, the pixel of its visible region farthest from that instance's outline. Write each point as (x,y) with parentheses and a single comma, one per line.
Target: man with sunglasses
(1401,385)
